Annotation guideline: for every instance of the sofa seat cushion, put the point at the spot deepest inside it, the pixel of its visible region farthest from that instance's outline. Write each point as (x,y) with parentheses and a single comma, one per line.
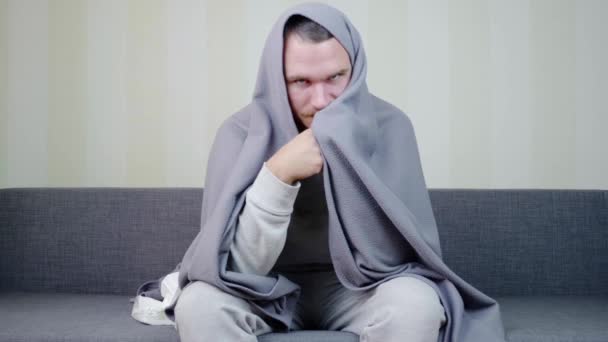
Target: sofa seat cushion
(38,317)
(76,317)
(310,336)
(555,318)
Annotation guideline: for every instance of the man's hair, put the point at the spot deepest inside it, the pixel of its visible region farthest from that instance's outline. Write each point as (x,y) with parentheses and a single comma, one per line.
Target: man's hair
(307,29)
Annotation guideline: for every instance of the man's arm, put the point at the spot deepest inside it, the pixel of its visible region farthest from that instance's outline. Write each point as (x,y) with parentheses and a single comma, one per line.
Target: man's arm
(262,225)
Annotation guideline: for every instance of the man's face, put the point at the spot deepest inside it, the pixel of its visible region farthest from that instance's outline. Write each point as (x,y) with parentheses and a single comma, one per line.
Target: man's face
(315,74)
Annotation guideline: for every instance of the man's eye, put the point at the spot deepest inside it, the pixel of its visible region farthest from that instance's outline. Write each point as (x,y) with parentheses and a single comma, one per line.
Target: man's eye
(300,82)
(335,77)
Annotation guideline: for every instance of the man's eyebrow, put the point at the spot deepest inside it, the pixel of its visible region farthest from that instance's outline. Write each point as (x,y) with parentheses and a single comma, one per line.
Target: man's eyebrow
(343,71)
(295,77)
(299,77)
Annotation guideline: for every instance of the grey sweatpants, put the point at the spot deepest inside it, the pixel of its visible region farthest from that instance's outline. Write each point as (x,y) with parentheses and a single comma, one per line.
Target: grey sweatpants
(401,309)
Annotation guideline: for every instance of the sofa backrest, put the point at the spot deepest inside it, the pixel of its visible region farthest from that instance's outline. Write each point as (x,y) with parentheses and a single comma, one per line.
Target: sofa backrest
(526,242)
(95,240)
(110,240)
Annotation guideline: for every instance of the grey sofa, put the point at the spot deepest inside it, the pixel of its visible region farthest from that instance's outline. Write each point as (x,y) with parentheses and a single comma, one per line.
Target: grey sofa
(70,259)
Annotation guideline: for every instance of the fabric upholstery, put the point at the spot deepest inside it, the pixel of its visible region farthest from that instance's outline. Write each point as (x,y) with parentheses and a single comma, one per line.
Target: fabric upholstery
(526,242)
(51,317)
(555,318)
(55,317)
(93,240)
(543,253)
(104,240)
(310,336)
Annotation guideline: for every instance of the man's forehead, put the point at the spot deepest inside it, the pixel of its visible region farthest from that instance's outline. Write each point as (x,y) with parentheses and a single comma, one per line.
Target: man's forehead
(305,59)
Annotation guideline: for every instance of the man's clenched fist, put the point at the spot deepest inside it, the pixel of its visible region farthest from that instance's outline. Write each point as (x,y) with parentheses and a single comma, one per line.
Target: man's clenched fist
(298,159)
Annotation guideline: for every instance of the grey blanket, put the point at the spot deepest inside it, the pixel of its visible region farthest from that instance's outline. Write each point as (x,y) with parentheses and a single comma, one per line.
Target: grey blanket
(381,225)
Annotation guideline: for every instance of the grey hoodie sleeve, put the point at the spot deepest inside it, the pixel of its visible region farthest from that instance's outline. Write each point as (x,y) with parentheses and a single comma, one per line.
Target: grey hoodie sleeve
(262,225)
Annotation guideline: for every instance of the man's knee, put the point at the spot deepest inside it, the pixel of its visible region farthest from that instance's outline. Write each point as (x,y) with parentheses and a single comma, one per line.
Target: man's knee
(203,313)
(200,299)
(410,297)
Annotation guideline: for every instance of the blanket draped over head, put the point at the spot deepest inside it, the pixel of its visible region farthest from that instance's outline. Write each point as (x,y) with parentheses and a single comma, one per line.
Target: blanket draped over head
(377,200)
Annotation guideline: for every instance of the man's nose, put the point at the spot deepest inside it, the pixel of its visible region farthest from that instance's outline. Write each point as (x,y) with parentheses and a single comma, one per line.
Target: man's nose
(320,97)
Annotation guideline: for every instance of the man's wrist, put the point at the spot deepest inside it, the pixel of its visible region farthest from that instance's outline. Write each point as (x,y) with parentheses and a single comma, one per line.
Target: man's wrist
(272,194)
(279,173)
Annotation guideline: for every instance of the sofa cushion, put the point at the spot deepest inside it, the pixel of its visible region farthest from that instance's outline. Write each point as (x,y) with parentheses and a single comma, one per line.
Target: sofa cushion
(75,317)
(526,242)
(93,240)
(310,336)
(555,319)
(49,317)
(111,240)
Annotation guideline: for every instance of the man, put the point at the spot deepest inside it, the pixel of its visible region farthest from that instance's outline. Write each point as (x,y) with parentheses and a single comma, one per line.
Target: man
(320,218)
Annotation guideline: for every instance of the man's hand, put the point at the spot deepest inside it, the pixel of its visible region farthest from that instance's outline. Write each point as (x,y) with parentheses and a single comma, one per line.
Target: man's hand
(298,159)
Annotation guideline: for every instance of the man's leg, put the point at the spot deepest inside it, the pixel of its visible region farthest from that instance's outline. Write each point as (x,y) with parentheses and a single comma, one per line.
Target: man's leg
(205,313)
(401,309)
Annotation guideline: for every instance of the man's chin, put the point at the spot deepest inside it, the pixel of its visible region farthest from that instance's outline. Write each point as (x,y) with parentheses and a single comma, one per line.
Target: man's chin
(301,126)
(304,122)
(308,118)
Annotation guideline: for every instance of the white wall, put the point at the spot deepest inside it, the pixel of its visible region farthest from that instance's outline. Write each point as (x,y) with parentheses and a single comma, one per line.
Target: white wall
(502,93)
